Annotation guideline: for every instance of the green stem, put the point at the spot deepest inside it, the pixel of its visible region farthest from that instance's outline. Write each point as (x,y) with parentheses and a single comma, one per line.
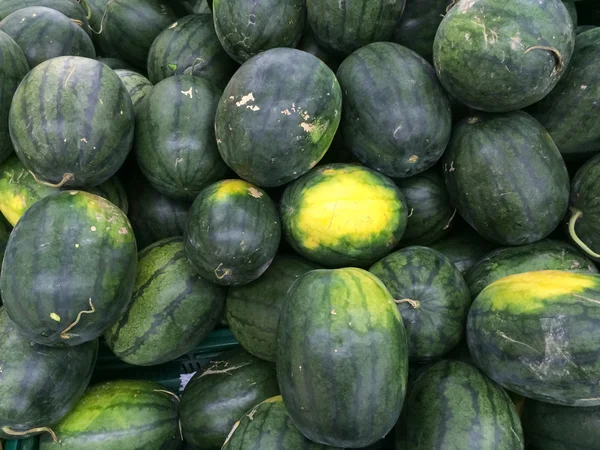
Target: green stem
(577,213)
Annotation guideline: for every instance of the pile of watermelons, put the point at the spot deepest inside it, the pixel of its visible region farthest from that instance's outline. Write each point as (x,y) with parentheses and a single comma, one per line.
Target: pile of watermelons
(394,207)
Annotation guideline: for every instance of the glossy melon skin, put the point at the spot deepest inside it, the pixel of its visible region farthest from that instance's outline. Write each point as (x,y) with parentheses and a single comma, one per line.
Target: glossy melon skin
(71,120)
(396,117)
(232,233)
(270,136)
(506,177)
(501,57)
(69,269)
(343,215)
(342,357)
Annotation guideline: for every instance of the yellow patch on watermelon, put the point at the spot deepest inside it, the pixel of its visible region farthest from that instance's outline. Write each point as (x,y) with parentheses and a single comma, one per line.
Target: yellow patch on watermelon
(13,205)
(232,187)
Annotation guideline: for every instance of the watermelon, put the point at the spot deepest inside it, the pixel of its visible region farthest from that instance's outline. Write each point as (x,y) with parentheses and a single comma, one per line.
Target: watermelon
(399,126)
(138,86)
(268,425)
(252,310)
(154,216)
(342,27)
(544,255)
(504,56)
(453,405)
(116,64)
(432,298)
(71,121)
(416,28)
(215,398)
(342,357)
(19,190)
(129,27)
(583,221)
(581,29)
(177,155)
(430,213)
(573,103)
(28,402)
(248,28)
(73,9)
(78,268)
(506,177)
(172,309)
(14,68)
(232,232)
(190,46)
(119,415)
(556,427)
(342,215)
(45,33)
(270,136)
(535,334)
(464,248)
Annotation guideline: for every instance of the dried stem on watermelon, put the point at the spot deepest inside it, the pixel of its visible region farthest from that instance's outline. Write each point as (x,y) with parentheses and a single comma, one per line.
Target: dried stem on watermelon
(64,334)
(11,432)
(577,213)
(414,303)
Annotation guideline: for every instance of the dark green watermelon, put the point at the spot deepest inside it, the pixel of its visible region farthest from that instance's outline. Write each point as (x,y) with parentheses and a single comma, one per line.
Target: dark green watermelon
(154,216)
(268,425)
(190,46)
(573,103)
(416,28)
(117,64)
(232,232)
(503,56)
(536,334)
(14,68)
(431,296)
(218,396)
(342,27)
(69,268)
(38,384)
(96,10)
(454,406)
(268,135)
(397,125)
(119,415)
(71,121)
(464,248)
(74,9)
(583,223)
(248,28)
(172,309)
(138,86)
(506,177)
(253,309)
(179,156)
(342,357)
(129,27)
(556,427)
(544,255)
(45,33)
(430,213)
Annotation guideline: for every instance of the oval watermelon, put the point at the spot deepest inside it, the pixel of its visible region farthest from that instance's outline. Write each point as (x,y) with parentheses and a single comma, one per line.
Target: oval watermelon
(535,334)
(504,56)
(268,135)
(342,357)
(14,68)
(45,33)
(138,86)
(172,309)
(252,310)
(119,415)
(232,232)
(215,398)
(179,156)
(69,268)
(506,177)
(341,214)
(190,46)
(464,248)
(397,125)
(71,121)
(27,399)
(248,28)
(432,298)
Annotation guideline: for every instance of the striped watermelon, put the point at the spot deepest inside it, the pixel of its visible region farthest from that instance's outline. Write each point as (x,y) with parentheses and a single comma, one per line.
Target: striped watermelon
(73,9)
(138,86)
(172,309)
(85,146)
